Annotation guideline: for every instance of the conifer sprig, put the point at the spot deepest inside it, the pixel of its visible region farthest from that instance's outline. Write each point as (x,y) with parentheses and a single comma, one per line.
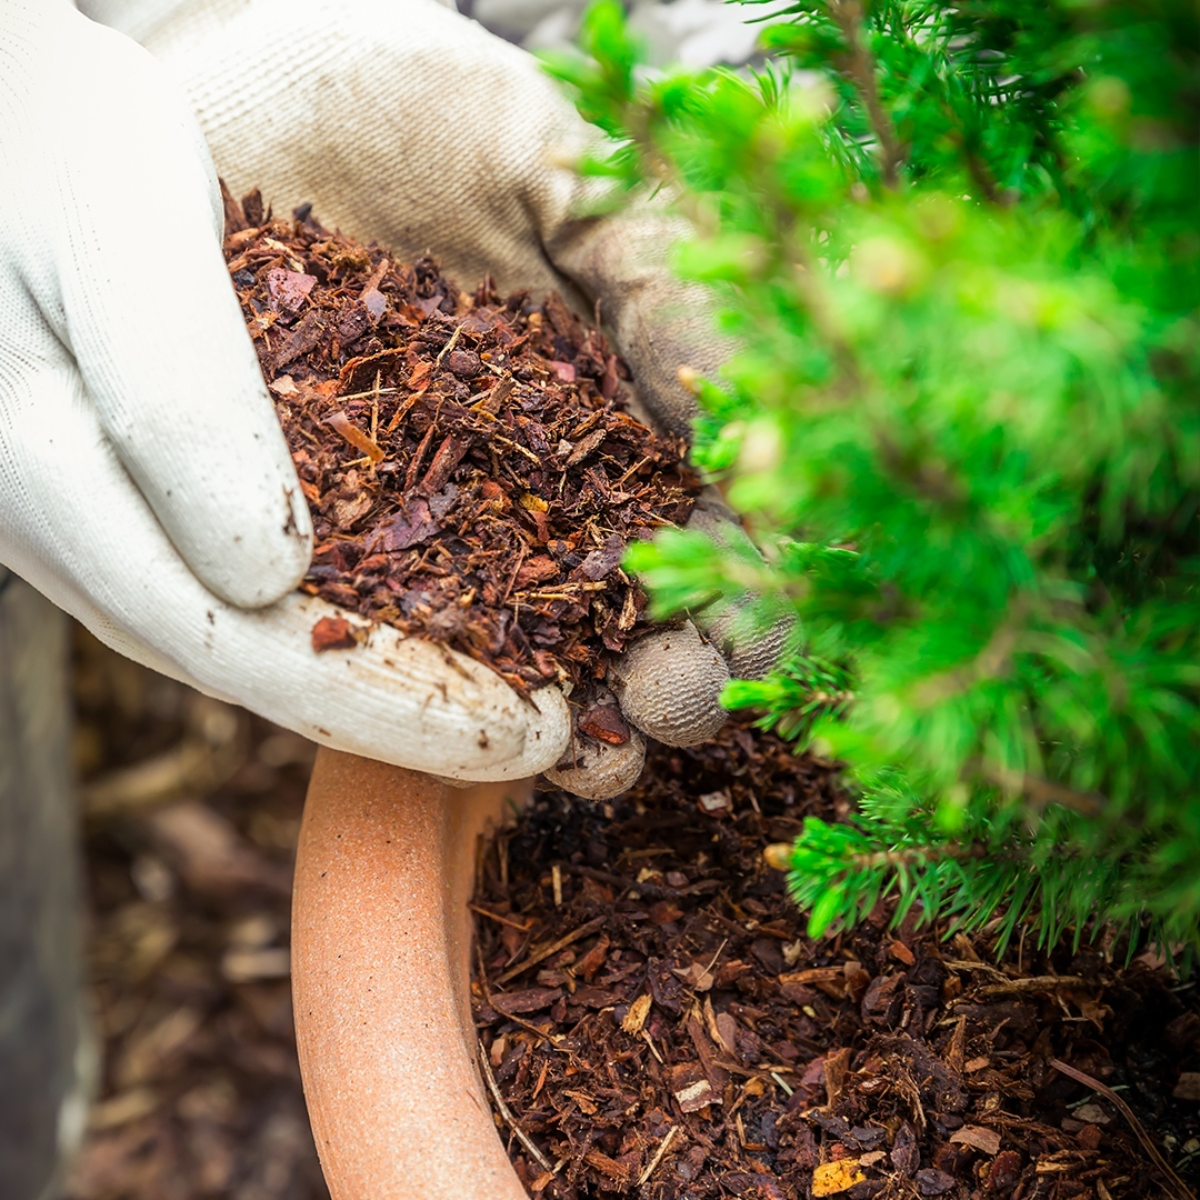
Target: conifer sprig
(959,247)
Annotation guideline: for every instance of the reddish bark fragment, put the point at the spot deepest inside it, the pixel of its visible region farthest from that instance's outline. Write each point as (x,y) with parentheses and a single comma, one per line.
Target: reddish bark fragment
(333,633)
(605,723)
(289,289)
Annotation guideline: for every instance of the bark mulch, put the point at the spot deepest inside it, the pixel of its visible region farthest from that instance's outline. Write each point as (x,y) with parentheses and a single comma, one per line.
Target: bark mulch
(658,1025)
(472,474)
(191,810)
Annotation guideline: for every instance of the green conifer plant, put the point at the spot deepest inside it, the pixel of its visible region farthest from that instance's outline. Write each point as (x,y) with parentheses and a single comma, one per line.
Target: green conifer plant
(958,249)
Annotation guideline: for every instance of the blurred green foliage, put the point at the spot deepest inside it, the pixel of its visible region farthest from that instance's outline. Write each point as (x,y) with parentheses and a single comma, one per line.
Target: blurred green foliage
(959,250)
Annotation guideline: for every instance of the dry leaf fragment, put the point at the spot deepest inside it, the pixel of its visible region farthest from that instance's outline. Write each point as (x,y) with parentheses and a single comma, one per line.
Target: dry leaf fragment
(832,1178)
(413,524)
(289,289)
(284,387)
(697,976)
(355,436)
(987,1140)
(635,1018)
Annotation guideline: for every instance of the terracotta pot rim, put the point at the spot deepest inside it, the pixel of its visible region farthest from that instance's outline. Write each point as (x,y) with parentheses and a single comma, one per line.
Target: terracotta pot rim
(381,937)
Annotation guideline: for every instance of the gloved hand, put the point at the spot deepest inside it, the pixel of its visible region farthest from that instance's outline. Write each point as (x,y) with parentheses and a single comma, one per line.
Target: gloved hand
(159,506)
(144,482)
(403,122)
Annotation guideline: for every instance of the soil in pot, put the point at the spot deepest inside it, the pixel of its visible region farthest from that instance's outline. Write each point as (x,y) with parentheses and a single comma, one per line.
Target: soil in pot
(656,1024)
(472,473)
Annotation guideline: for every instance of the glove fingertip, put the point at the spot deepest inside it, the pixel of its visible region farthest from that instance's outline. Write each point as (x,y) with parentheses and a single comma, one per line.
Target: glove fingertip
(599,771)
(669,684)
(249,561)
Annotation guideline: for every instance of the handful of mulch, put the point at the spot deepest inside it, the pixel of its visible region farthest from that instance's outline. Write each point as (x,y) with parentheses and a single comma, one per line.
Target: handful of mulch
(472,474)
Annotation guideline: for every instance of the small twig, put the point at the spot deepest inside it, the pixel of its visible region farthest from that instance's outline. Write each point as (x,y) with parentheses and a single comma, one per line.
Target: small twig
(637,466)
(367,395)
(645,1036)
(658,1154)
(529,454)
(449,345)
(509,1119)
(375,407)
(590,927)
(956,964)
(712,961)
(652,891)
(524,927)
(748,1073)
(1037,983)
(860,66)
(561,593)
(1178,1188)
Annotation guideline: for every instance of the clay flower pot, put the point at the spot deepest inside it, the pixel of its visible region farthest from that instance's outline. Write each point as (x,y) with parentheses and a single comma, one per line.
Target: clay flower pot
(380,950)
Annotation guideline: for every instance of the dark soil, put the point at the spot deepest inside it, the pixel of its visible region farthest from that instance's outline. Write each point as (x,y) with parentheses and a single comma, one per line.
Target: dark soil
(660,1026)
(472,474)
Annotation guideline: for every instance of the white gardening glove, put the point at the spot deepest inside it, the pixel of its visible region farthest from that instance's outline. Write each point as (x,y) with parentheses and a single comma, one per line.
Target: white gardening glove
(401,121)
(145,485)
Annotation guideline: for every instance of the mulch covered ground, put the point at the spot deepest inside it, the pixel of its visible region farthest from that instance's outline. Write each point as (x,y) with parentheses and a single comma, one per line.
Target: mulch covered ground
(191,812)
(658,1025)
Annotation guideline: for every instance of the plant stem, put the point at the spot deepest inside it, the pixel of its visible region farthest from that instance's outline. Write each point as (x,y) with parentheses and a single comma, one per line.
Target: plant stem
(860,66)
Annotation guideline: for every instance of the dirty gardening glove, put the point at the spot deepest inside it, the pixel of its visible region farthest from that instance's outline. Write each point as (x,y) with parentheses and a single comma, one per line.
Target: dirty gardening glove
(145,485)
(403,122)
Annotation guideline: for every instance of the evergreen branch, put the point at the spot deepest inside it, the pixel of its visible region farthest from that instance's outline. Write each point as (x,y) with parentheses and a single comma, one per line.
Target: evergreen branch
(993,403)
(860,66)
(1044,791)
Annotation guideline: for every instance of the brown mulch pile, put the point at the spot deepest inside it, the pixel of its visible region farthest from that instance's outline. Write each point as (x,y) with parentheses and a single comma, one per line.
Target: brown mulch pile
(191,810)
(472,474)
(659,1025)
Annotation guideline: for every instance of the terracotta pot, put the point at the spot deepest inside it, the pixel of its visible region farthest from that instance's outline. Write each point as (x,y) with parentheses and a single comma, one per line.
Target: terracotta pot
(380,950)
